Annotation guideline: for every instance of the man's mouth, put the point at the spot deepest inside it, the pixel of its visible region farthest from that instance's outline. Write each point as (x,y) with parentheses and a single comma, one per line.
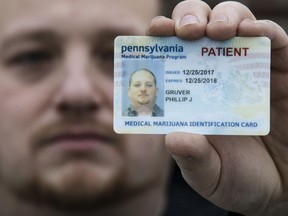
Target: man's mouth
(143,95)
(79,140)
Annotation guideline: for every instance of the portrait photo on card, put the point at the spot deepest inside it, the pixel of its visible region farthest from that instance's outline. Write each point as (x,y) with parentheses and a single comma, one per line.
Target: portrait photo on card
(143,88)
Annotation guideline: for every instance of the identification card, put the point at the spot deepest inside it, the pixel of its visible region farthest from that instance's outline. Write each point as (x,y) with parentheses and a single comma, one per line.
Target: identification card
(165,84)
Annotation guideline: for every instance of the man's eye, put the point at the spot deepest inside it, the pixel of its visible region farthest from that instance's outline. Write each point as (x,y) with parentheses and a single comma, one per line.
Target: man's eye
(150,85)
(104,56)
(31,66)
(107,56)
(33,58)
(104,59)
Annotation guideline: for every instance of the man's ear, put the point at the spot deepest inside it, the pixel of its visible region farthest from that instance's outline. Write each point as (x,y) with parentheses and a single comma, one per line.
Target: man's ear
(129,94)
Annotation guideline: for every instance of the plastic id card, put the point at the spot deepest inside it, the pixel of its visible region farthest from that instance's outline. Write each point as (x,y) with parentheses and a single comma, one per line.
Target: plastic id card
(165,84)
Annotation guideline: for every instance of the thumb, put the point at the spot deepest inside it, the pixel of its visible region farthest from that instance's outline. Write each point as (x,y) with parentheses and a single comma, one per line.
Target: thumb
(199,162)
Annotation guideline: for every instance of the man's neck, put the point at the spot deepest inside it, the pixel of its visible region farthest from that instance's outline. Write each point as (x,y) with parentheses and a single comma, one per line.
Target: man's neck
(150,202)
(144,109)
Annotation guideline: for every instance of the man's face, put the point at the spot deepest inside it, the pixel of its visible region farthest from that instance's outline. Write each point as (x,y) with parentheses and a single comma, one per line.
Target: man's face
(56,84)
(142,90)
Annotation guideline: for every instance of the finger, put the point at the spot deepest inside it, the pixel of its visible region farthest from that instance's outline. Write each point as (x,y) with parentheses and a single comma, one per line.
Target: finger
(197,159)
(225,19)
(191,18)
(267,28)
(279,45)
(161,26)
(279,55)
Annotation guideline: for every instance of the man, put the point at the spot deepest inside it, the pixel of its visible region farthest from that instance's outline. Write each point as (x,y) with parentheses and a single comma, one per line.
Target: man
(58,153)
(142,93)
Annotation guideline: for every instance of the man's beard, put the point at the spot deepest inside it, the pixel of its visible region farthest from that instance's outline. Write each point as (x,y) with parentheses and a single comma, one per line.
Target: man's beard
(144,101)
(66,179)
(80,193)
(77,189)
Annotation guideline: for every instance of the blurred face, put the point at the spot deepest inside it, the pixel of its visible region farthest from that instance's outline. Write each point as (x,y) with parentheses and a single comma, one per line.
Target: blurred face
(142,90)
(56,84)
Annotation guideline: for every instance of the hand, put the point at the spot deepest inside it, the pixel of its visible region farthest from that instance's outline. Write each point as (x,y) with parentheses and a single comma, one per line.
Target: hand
(244,174)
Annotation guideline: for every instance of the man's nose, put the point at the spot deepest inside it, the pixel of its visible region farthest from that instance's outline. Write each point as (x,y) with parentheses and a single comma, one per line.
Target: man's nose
(78,93)
(143,88)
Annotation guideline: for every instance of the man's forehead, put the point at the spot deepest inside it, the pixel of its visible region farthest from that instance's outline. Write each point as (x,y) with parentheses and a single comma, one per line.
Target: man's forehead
(77,9)
(16,6)
(142,74)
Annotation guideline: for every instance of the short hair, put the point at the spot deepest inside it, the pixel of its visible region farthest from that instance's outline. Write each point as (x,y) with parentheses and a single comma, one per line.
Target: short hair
(142,69)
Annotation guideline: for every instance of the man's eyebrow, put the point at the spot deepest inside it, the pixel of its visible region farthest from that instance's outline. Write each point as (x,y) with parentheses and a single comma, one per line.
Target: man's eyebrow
(43,35)
(102,36)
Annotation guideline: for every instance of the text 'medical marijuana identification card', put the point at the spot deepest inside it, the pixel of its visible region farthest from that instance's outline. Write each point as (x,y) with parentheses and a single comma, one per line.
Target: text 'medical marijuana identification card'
(165,84)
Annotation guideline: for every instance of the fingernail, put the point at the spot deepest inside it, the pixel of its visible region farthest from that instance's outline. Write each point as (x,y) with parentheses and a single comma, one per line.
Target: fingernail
(220,18)
(188,19)
(157,17)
